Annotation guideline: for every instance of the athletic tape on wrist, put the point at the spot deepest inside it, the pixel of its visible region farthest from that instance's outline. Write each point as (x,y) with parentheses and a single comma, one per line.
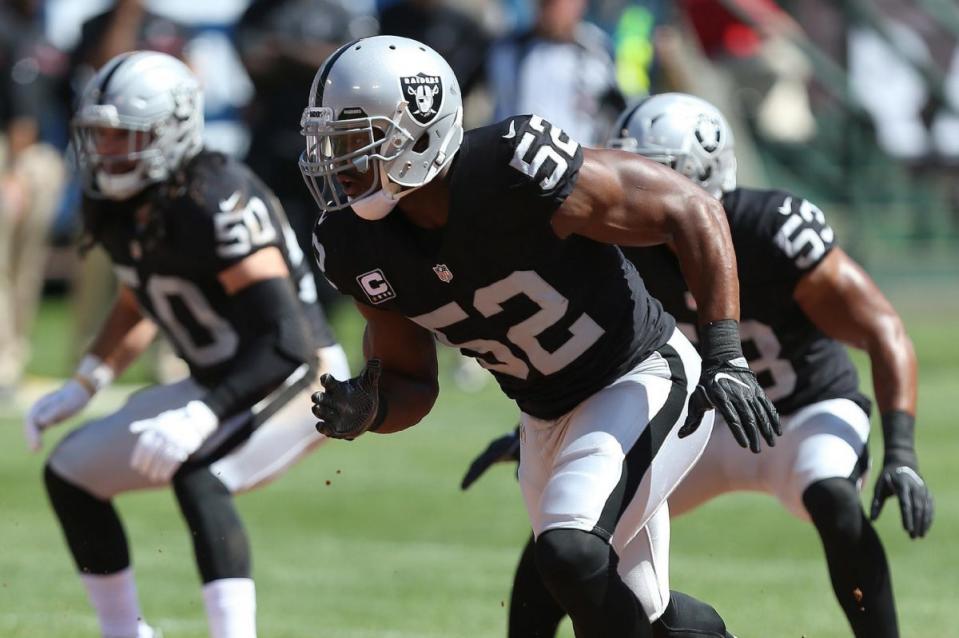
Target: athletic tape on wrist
(93,374)
(899,432)
(720,341)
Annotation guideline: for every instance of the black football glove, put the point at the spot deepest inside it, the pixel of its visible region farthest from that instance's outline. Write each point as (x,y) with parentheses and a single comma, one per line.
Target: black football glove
(501,450)
(728,385)
(900,476)
(347,409)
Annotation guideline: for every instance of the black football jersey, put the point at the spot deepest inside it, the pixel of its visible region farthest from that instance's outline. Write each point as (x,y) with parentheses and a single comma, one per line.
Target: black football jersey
(778,238)
(169,243)
(553,319)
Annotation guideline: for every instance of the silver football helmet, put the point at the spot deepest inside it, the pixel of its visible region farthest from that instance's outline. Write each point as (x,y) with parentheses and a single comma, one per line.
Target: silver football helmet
(683,132)
(387,104)
(140,118)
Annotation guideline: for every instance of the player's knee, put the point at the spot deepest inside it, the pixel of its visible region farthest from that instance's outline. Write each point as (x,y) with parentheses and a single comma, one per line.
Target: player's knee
(686,617)
(566,557)
(833,504)
(92,529)
(220,542)
(196,486)
(63,494)
(68,460)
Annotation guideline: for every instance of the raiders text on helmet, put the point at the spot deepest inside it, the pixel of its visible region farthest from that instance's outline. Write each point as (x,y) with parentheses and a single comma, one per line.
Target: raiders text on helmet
(685,133)
(156,103)
(385,103)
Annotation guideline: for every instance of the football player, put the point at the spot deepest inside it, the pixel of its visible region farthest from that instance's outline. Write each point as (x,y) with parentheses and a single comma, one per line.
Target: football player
(203,252)
(501,246)
(801,298)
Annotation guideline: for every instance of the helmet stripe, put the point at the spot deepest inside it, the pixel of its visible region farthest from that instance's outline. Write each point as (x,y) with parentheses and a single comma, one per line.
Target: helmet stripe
(108,76)
(624,120)
(325,71)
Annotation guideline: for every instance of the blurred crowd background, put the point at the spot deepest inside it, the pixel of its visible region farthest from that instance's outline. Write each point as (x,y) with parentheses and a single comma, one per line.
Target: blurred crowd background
(854,104)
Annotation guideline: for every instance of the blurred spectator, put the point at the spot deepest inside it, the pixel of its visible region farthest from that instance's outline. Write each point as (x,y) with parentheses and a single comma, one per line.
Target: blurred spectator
(126,26)
(906,49)
(561,69)
(757,81)
(31,176)
(770,73)
(282,44)
(892,46)
(451,33)
(633,29)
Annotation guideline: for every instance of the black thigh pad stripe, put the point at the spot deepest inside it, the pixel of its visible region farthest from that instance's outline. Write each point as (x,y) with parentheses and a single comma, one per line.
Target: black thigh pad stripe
(862,464)
(237,429)
(641,455)
(299,380)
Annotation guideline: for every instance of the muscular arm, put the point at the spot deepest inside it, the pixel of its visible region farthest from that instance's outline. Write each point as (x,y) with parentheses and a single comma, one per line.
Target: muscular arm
(275,341)
(125,333)
(260,266)
(622,198)
(408,356)
(845,303)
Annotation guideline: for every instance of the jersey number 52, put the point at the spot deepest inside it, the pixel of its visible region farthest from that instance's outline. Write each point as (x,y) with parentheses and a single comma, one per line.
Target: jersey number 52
(584,331)
(544,143)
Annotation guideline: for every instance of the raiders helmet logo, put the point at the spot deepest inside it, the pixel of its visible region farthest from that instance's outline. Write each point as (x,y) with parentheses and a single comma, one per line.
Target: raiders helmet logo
(424,95)
(708,133)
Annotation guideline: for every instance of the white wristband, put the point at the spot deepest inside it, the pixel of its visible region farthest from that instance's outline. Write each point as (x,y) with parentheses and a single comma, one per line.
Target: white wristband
(93,373)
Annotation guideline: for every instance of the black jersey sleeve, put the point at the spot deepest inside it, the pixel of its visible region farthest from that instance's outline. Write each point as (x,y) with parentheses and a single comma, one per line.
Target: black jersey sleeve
(778,234)
(325,258)
(543,162)
(231,209)
(334,254)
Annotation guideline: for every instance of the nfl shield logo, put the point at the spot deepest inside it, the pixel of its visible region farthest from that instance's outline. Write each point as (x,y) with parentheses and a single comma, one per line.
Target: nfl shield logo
(443,273)
(424,95)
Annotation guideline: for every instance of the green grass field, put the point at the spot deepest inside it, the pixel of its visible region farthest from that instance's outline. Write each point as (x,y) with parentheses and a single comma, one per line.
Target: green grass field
(374,538)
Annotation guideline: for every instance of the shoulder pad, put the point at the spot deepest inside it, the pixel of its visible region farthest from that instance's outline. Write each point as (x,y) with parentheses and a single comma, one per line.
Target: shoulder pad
(221,192)
(540,152)
(794,228)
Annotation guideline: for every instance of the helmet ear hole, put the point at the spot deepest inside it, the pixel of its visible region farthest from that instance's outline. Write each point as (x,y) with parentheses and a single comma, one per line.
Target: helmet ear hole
(422,143)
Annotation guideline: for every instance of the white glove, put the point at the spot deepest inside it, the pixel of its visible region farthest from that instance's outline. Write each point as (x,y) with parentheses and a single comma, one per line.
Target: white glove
(92,375)
(169,438)
(54,408)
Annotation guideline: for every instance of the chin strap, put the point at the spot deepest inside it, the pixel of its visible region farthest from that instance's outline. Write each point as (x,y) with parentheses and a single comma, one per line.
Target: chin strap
(374,206)
(378,204)
(123,185)
(442,159)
